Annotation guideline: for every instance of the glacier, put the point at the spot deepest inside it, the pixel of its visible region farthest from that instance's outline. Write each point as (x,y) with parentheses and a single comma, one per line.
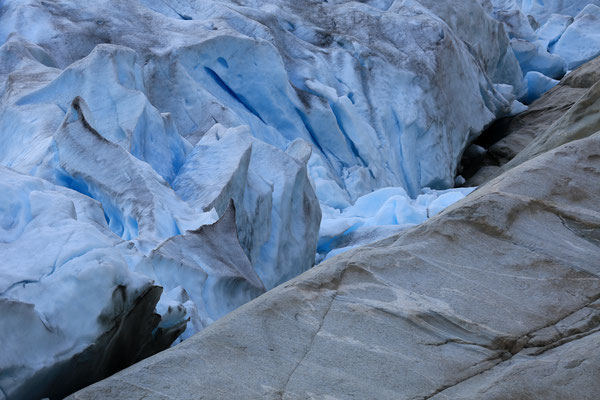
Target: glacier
(549,38)
(378,215)
(164,161)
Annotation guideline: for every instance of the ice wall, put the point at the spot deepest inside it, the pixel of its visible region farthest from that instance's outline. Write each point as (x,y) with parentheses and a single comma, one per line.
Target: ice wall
(191,145)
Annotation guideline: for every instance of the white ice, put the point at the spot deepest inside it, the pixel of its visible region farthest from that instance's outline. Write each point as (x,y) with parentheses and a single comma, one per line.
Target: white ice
(378,215)
(581,40)
(192,145)
(549,38)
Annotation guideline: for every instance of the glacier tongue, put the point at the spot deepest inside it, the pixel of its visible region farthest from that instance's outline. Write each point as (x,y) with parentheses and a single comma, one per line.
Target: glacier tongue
(191,145)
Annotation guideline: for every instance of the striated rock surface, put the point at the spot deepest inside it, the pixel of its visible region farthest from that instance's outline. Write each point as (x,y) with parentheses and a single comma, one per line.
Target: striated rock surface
(582,120)
(494,298)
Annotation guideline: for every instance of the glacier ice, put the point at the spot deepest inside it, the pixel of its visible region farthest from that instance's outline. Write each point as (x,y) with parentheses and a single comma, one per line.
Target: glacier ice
(66,291)
(378,215)
(542,10)
(549,33)
(534,57)
(163,162)
(206,266)
(209,79)
(537,85)
(549,37)
(580,42)
(90,132)
(517,25)
(136,200)
(277,211)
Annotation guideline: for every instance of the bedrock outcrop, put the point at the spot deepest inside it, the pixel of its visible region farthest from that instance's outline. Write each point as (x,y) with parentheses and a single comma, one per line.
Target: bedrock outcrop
(495,298)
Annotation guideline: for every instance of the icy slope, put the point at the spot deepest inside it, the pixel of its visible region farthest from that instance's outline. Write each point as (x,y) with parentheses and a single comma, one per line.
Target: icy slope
(203,138)
(375,90)
(549,38)
(64,286)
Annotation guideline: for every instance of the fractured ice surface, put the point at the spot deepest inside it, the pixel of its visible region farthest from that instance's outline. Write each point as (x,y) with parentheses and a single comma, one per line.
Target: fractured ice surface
(550,37)
(533,57)
(542,10)
(580,42)
(64,286)
(549,33)
(378,215)
(207,264)
(191,145)
(137,202)
(214,68)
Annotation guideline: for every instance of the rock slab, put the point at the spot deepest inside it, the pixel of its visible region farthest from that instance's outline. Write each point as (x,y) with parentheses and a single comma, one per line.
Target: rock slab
(495,298)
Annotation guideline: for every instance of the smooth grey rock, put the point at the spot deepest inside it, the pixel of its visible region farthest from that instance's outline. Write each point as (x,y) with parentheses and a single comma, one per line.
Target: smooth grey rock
(584,76)
(458,307)
(483,175)
(524,127)
(582,120)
